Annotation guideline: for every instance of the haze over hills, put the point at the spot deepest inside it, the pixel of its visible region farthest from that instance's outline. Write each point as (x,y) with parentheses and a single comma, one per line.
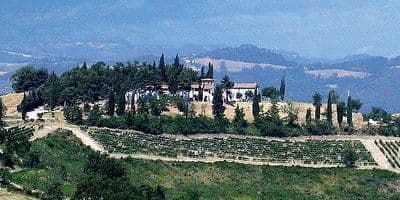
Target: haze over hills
(370,78)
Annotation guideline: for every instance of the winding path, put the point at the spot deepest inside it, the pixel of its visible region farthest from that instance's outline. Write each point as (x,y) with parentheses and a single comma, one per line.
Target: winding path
(367,141)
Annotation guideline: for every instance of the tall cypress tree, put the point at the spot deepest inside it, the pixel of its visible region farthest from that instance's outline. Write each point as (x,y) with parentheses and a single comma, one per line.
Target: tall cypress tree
(218,103)
(340,110)
(121,103)
(163,69)
(23,107)
(2,112)
(329,108)
(210,72)
(308,115)
(227,84)
(256,105)
(349,112)
(317,102)
(111,103)
(202,75)
(282,89)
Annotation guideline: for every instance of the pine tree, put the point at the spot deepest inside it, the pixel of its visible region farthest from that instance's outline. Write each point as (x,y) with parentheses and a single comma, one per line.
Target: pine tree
(341,111)
(317,102)
(329,108)
(256,105)
(210,72)
(282,89)
(218,104)
(111,103)
(162,68)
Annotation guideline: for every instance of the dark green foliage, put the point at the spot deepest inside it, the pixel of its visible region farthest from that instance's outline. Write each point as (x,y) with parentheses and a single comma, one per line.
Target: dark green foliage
(4,176)
(28,78)
(218,103)
(256,105)
(349,113)
(52,90)
(226,85)
(111,103)
(30,101)
(163,69)
(317,102)
(73,114)
(329,107)
(282,89)
(16,145)
(239,123)
(319,127)
(341,111)
(210,72)
(270,123)
(94,116)
(349,159)
(53,190)
(2,113)
(271,93)
(378,114)
(121,103)
(308,115)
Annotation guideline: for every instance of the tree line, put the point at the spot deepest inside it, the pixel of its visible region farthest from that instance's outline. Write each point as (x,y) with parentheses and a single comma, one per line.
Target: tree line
(79,90)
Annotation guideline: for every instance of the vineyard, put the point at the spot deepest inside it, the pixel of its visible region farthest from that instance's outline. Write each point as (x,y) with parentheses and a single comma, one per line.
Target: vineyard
(391,151)
(325,152)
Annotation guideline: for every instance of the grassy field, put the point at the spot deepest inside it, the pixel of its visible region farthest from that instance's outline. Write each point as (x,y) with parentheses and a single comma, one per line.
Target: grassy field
(214,181)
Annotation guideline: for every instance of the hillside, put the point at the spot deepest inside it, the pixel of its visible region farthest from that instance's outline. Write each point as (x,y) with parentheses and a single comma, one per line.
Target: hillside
(211,180)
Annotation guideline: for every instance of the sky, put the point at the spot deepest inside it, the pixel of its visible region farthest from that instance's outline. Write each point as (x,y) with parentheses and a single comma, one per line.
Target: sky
(325,29)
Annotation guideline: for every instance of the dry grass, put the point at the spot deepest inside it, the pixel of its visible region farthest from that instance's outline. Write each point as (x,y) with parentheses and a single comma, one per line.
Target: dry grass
(206,109)
(4,194)
(11,102)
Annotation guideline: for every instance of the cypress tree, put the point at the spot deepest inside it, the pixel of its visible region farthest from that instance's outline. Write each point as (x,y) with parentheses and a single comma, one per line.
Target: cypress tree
(202,75)
(329,108)
(200,97)
(317,102)
(210,72)
(2,112)
(218,103)
(340,110)
(239,122)
(94,115)
(256,105)
(282,89)
(308,115)
(111,103)
(163,69)
(23,108)
(349,112)
(227,84)
(121,103)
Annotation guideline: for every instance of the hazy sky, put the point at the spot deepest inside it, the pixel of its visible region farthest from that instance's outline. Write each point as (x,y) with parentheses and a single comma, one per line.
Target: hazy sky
(312,28)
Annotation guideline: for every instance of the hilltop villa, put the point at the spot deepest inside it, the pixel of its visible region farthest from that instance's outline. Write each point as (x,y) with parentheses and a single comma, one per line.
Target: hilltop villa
(239,92)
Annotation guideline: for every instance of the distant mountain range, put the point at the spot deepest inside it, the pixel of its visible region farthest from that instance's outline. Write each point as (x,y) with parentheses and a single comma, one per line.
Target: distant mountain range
(373,79)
